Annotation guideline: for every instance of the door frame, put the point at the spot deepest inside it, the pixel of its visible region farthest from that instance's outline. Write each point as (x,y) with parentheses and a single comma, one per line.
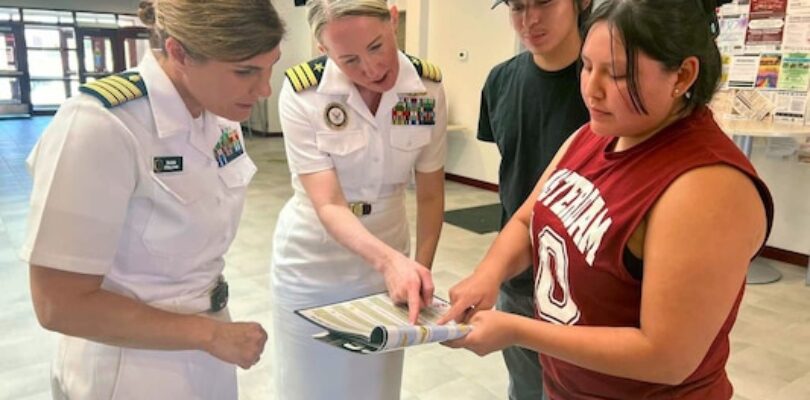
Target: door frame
(117,51)
(22,75)
(124,33)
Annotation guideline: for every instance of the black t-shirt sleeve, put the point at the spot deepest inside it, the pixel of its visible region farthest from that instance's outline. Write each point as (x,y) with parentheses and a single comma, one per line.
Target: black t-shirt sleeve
(484,124)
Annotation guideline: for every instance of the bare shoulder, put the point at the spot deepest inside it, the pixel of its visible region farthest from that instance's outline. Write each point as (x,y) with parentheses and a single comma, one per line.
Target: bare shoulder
(719,202)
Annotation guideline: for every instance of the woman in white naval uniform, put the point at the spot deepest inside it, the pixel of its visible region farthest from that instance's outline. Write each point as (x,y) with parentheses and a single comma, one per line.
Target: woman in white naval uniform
(357,123)
(139,184)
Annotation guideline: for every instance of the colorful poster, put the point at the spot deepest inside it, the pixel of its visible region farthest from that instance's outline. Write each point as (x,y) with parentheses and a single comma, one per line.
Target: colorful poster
(765,25)
(795,72)
(768,73)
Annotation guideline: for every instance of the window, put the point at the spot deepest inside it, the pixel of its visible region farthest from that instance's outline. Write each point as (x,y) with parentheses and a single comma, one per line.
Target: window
(47,16)
(98,55)
(126,21)
(50,37)
(9,14)
(10,91)
(96,19)
(134,50)
(8,53)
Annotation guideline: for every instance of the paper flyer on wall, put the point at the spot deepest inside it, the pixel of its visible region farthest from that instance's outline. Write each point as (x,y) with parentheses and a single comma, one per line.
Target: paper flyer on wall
(374,324)
(725,66)
(733,8)
(732,33)
(752,105)
(790,107)
(794,74)
(796,37)
(766,23)
(768,72)
(798,7)
(742,72)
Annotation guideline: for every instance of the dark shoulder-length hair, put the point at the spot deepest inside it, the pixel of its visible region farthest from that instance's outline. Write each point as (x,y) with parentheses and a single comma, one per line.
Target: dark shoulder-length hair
(668,31)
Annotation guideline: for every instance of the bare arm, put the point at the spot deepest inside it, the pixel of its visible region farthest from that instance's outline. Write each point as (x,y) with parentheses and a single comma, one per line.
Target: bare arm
(508,256)
(407,281)
(701,236)
(429,214)
(75,304)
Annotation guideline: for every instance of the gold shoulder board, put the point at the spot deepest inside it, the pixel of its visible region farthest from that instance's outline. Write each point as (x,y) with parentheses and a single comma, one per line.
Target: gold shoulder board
(117,89)
(307,74)
(426,70)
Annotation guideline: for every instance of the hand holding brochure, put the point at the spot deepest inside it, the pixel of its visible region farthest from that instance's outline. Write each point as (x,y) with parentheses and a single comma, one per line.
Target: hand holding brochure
(374,324)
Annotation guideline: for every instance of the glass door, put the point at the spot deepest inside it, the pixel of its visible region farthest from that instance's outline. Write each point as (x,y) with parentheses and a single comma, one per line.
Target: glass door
(98,54)
(135,44)
(14,95)
(53,65)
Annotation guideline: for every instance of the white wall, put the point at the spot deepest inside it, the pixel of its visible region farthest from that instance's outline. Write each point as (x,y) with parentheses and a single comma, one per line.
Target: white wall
(789,182)
(488,39)
(296,47)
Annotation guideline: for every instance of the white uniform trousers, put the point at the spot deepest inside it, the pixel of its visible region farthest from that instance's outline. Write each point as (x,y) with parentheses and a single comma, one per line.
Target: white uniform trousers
(87,370)
(310,269)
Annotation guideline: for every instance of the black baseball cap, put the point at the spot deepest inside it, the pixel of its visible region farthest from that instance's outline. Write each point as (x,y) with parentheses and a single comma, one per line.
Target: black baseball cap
(496,3)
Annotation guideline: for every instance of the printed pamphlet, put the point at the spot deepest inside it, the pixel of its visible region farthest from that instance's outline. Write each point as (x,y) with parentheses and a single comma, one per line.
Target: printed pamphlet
(374,324)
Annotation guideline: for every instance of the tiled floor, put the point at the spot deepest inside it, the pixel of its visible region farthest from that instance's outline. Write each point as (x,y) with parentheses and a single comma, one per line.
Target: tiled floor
(771,341)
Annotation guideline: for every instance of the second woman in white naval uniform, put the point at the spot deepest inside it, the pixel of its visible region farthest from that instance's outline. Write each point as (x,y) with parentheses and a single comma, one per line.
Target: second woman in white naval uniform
(139,184)
(357,124)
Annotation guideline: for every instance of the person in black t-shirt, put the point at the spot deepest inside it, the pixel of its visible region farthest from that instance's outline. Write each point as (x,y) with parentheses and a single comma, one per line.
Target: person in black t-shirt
(530,105)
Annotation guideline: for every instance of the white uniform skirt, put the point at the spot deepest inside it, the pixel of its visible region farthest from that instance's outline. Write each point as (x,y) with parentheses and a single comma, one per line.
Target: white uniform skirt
(89,370)
(310,268)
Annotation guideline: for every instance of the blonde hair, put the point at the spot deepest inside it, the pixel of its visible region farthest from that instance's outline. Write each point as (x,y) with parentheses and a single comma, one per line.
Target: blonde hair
(225,30)
(322,12)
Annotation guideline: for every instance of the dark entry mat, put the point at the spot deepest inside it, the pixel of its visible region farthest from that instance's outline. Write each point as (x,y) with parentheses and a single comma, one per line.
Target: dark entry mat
(481,219)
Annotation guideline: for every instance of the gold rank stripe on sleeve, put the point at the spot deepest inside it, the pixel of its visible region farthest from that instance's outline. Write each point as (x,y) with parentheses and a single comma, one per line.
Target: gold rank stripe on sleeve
(116,89)
(307,74)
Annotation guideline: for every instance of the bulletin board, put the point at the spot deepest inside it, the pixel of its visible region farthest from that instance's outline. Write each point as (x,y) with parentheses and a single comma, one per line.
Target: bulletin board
(765,48)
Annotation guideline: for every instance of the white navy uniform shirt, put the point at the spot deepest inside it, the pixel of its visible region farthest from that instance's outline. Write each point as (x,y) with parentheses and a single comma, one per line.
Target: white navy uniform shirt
(104,201)
(373,158)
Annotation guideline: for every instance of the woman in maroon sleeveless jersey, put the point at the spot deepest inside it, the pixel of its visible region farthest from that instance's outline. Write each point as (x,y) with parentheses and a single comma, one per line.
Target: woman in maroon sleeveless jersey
(640,230)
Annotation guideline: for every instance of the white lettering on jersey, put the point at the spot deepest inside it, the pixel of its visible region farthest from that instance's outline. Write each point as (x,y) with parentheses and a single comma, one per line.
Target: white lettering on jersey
(552,294)
(580,207)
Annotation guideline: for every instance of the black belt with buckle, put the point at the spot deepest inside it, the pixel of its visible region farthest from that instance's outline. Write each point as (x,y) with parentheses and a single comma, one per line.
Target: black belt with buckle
(360,209)
(219,295)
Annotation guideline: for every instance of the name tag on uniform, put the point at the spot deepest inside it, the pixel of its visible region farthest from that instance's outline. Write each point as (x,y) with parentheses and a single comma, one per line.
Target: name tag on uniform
(167,164)
(229,147)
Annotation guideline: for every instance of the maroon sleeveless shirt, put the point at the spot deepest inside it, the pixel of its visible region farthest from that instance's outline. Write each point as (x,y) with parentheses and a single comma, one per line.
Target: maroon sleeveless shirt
(582,220)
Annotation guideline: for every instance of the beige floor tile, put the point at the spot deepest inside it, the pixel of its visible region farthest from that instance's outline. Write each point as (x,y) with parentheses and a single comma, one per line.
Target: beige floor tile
(798,389)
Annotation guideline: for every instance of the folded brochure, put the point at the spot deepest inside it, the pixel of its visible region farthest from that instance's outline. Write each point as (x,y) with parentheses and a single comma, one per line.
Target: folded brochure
(374,324)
